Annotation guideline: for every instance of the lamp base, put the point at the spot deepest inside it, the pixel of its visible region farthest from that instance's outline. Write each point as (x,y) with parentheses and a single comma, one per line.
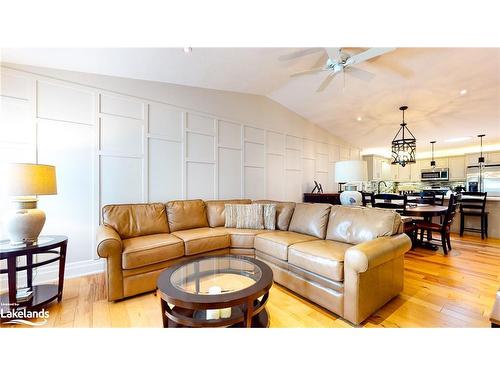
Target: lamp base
(25,222)
(351,198)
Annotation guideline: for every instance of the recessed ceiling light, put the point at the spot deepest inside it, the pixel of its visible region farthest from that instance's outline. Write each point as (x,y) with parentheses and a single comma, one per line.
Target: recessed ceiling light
(463,92)
(457,139)
(188,50)
(359,118)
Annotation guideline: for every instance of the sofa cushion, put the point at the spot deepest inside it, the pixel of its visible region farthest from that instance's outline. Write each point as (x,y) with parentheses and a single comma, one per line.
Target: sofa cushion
(355,225)
(146,250)
(216,210)
(188,214)
(323,257)
(201,240)
(134,220)
(243,238)
(284,211)
(310,219)
(275,243)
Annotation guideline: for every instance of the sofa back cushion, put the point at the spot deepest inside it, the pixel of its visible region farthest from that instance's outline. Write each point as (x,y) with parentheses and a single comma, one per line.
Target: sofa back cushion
(310,218)
(355,225)
(134,220)
(284,211)
(216,213)
(187,214)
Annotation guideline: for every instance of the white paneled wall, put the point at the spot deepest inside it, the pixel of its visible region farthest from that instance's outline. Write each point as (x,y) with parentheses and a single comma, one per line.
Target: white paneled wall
(112,148)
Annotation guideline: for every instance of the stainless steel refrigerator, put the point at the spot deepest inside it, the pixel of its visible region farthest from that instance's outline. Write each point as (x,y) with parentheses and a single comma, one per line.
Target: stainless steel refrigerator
(485,179)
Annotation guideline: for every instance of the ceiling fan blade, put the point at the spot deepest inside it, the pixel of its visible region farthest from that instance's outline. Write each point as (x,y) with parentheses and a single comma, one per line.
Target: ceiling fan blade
(367,55)
(321,62)
(333,53)
(297,54)
(310,71)
(361,74)
(325,82)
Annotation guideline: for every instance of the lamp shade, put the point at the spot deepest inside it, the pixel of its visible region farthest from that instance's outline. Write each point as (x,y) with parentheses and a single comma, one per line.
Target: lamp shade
(351,171)
(31,179)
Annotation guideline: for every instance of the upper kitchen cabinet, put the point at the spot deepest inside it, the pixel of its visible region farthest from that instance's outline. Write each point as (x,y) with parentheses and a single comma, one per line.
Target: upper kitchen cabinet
(493,158)
(456,164)
(415,171)
(404,173)
(440,163)
(378,168)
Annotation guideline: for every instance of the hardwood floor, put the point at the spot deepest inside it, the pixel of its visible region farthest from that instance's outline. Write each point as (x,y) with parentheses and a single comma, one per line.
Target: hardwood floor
(457,290)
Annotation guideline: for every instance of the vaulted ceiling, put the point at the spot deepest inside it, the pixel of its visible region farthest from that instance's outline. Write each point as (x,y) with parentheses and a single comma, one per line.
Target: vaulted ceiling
(431,81)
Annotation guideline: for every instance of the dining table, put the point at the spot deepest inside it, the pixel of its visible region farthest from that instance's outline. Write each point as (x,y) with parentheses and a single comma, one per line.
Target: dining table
(427,212)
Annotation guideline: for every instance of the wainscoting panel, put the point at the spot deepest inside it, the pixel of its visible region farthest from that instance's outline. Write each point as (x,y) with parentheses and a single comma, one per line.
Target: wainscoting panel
(121,180)
(308,175)
(200,180)
(16,120)
(293,186)
(165,170)
(121,135)
(229,135)
(200,147)
(198,123)
(255,135)
(165,121)
(275,177)
(344,153)
(309,149)
(122,106)
(322,178)
(255,186)
(69,147)
(230,174)
(275,143)
(293,143)
(293,160)
(254,155)
(59,102)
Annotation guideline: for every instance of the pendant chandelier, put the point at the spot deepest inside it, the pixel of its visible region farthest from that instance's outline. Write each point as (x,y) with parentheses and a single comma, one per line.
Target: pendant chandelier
(481,157)
(433,162)
(404,144)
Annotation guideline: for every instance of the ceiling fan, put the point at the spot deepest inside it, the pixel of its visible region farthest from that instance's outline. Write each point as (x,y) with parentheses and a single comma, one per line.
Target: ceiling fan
(337,61)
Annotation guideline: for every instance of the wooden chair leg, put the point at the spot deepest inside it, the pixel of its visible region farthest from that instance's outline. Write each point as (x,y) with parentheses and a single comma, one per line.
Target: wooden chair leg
(482,227)
(443,242)
(461,225)
(486,225)
(448,241)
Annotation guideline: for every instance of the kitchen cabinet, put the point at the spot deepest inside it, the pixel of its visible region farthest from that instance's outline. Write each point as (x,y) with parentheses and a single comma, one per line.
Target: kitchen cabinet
(404,173)
(494,158)
(394,172)
(378,168)
(457,167)
(440,163)
(472,159)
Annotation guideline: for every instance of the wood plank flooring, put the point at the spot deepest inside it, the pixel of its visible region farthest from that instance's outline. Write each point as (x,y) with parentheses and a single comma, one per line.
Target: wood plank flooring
(457,290)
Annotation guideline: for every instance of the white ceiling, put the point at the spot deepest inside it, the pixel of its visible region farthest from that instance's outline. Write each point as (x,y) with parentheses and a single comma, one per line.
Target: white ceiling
(428,80)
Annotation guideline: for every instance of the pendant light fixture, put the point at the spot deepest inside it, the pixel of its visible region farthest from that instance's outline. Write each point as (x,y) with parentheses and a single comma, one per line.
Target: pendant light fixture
(404,144)
(481,157)
(433,162)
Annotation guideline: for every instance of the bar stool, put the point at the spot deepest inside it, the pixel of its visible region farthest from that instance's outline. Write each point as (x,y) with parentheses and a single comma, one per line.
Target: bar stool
(474,204)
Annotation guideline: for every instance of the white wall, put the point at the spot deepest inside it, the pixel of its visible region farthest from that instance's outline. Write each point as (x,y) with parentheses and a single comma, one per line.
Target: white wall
(117,140)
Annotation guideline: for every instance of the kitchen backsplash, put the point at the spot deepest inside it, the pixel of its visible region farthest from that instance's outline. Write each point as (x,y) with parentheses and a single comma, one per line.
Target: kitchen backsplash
(396,187)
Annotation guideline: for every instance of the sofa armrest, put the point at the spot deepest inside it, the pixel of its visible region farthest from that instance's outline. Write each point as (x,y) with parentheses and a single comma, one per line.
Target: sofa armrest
(109,242)
(373,275)
(370,254)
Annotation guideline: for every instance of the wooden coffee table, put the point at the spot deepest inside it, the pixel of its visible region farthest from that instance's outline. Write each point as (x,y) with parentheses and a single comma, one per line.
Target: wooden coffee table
(244,283)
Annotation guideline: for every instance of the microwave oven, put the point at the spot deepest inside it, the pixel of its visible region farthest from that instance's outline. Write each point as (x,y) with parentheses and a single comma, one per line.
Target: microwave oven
(436,174)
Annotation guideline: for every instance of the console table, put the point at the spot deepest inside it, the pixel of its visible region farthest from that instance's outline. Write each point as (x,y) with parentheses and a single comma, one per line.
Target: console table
(42,294)
(331,198)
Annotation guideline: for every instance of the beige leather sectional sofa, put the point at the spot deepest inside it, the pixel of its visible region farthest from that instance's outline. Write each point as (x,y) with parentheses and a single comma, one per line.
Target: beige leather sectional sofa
(346,259)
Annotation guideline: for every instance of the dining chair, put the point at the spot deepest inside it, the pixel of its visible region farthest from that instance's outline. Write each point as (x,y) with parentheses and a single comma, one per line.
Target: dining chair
(474,204)
(393,201)
(366,198)
(444,228)
(424,197)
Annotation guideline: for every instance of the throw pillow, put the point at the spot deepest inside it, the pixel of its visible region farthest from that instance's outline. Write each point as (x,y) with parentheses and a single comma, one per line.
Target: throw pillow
(244,216)
(269,212)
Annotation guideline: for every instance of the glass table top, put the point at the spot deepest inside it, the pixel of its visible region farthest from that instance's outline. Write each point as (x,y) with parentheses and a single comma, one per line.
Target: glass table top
(6,245)
(216,275)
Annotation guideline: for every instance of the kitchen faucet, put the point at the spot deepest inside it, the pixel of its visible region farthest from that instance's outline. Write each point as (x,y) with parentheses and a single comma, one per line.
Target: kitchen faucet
(378,186)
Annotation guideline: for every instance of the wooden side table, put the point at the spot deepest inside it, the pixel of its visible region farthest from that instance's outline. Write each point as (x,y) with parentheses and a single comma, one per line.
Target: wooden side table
(42,294)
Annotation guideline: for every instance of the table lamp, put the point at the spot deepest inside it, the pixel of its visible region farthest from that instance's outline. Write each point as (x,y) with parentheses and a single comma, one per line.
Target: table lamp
(349,172)
(24,183)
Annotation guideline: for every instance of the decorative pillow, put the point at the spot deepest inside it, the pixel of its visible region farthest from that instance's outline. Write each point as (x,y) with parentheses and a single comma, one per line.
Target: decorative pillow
(269,212)
(244,216)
